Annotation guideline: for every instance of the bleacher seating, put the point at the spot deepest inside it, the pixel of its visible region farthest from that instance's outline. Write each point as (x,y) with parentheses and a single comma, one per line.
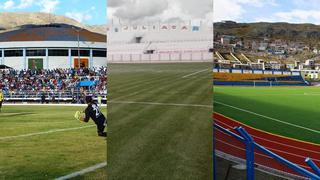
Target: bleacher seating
(239,79)
(63,84)
(242,77)
(171,45)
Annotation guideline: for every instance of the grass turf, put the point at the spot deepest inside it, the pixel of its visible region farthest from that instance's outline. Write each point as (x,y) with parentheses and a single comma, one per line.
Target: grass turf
(295,105)
(46,156)
(152,141)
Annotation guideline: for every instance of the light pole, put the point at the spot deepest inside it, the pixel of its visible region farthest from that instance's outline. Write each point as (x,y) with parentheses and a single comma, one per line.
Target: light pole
(78,39)
(79,66)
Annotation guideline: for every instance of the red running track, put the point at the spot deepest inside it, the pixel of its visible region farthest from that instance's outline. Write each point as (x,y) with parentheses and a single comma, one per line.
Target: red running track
(291,149)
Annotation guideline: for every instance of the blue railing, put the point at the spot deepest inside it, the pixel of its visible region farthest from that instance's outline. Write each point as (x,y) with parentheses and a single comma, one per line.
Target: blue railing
(253,71)
(250,145)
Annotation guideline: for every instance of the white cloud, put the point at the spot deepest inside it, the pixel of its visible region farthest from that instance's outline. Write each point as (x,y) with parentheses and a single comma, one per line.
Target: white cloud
(257,3)
(299,16)
(306,4)
(48,6)
(25,4)
(184,10)
(78,16)
(233,12)
(81,16)
(136,11)
(235,9)
(8,5)
(139,9)
(293,16)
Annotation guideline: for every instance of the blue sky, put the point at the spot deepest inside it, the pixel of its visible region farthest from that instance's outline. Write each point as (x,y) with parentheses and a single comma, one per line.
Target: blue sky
(293,11)
(86,11)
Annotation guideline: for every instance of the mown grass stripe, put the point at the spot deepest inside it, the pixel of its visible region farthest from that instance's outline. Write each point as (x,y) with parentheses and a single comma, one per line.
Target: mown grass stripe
(267,117)
(45,132)
(161,104)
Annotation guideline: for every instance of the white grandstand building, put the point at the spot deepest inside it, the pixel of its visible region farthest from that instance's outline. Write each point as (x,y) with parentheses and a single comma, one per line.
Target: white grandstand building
(52,46)
(160,43)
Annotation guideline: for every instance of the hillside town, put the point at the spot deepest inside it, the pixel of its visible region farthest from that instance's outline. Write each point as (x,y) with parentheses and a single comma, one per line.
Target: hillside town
(267,54)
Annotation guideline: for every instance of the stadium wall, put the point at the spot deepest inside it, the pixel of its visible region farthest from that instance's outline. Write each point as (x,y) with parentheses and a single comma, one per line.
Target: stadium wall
(98,62)
(170,45)
(14,62)
(58,62)
(160,57)
(20,61)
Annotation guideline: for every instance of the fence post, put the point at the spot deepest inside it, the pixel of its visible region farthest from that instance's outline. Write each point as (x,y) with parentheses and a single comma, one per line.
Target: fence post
(214,152)
(313,166)
(249,142)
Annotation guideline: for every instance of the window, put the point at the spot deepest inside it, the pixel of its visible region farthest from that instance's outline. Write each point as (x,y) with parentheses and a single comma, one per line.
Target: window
(0,53)
(99,53)
(13,53)
(138,39)
(150,51)
(74,52)
(36,52)
(58,52)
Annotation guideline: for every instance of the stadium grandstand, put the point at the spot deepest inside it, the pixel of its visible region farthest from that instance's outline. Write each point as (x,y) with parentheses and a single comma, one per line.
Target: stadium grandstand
(243,61)
(52,63)
(159,43)
(52,46)
(240,77)
(59,85)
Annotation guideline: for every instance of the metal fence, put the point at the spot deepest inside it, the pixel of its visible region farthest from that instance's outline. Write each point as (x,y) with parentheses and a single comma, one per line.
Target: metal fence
(260,150)
(53,96)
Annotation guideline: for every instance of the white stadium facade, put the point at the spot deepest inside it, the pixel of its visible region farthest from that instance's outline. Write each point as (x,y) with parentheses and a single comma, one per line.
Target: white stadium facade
(159,43)
(52,46)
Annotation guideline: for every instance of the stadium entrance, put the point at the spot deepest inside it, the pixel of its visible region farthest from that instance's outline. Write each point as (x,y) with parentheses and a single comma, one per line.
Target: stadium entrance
(83,63)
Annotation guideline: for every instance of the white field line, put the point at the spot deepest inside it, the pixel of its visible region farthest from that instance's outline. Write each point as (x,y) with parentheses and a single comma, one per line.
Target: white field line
(44,132)
(68,105)
(194,73)
(267,117)
(161,104)
(83,171)
(264,95)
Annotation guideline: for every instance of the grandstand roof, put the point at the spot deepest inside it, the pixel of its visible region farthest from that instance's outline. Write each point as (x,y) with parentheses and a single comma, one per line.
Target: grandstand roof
(52,32)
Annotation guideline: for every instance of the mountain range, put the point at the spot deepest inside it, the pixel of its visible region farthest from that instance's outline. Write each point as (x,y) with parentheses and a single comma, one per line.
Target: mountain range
(10,21)
(308,33)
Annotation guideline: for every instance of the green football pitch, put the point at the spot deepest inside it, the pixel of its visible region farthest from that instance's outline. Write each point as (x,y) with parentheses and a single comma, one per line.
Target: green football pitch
(288,111)
(46,142)
(160,124)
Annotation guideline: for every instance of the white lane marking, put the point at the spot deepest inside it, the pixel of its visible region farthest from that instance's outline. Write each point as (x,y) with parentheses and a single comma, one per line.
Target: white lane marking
(161,104)
(45,132)
(267,117)
(83,171)
(194,73)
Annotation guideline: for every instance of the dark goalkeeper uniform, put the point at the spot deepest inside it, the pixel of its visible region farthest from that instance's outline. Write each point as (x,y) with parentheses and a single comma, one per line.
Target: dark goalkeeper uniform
(93,112)
(1,99)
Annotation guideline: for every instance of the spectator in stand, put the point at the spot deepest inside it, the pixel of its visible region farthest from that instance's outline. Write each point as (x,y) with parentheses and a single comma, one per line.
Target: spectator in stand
(43,98)
(27,82)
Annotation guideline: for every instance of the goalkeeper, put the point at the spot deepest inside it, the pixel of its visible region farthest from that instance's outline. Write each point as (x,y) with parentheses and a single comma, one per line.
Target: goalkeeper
(1,99)
(92,111)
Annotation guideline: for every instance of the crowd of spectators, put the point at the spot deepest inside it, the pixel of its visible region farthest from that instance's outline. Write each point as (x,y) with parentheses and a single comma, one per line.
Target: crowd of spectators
(56,82)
